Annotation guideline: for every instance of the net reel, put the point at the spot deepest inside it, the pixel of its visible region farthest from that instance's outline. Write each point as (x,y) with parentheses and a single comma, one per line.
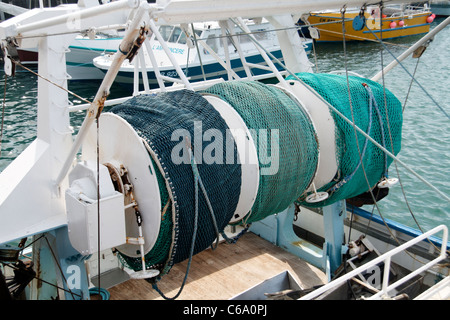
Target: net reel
(142,143)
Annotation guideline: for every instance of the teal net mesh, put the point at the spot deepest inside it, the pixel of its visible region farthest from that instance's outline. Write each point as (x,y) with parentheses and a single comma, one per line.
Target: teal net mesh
(285,140)
(377,112)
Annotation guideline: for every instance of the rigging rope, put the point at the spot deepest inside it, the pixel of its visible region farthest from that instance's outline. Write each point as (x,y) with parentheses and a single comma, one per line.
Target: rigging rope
(197,182)
(412,77)
(382,135)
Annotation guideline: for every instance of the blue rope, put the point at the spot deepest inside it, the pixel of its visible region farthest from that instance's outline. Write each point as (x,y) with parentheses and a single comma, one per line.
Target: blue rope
(197,182)
(235,239)
(100,291)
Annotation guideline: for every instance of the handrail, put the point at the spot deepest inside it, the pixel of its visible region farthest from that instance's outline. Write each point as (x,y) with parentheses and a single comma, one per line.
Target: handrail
(386,258)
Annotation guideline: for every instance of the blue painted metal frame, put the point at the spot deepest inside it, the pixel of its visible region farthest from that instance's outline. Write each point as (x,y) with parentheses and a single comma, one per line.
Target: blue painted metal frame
(278,229)
(57,259)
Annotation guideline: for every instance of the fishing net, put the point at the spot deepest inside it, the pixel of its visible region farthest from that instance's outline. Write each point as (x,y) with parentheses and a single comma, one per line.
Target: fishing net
(377,112)
(163,121)
(286,144)
(285,140)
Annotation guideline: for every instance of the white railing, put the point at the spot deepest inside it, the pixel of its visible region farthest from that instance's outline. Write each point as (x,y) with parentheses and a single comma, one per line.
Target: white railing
(386,258)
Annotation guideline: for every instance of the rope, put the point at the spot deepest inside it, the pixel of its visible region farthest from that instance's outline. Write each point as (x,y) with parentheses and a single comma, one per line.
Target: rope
(98,198)
(412,76)
(383,141)
(101,292)
(197,182)
(410,84)
(380,120)
(349,177)
(48,80)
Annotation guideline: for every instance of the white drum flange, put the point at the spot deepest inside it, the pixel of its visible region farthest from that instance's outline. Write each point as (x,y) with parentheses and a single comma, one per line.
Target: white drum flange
(248,156)
(119,144)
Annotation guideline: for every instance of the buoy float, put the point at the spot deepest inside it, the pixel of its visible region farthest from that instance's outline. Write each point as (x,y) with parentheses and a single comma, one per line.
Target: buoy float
(401,23)
(393,24)
(430,18)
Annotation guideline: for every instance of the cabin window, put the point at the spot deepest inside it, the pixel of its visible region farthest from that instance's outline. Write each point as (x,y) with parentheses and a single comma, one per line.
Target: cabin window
(212,42)
(182,38)
(175,35)
(165,32)
(198,33)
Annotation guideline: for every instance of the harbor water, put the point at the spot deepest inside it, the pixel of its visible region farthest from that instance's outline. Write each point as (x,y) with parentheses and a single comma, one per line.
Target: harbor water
(426,127)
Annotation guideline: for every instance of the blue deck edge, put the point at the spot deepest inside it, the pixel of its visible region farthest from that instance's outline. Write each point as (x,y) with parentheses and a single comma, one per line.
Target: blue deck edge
(394,225)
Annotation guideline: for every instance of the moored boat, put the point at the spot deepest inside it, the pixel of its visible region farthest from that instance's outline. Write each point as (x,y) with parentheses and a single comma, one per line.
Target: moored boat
(197,55)
(372,24)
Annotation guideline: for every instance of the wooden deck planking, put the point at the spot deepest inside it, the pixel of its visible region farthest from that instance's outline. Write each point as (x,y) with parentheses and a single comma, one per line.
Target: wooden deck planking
(225,272)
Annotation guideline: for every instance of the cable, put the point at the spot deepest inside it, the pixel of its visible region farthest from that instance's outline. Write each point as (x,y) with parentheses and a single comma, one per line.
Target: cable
(412,77)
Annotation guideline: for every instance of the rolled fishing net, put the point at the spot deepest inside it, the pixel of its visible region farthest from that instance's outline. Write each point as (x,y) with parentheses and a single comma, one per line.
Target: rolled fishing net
(287,149)
(376,111)
(285,140)
(164,121)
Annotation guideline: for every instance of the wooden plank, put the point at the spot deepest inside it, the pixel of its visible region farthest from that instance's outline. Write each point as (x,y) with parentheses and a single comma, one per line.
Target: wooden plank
(225,272)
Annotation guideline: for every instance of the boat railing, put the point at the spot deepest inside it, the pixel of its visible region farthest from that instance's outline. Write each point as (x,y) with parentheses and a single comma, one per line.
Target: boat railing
(416,9)
(386,258)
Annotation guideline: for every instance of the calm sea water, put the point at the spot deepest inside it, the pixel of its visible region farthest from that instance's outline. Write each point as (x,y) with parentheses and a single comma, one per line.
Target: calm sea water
(426,130)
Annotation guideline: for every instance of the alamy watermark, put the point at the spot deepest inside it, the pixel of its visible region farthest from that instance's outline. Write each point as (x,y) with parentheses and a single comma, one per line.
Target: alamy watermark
(215,146)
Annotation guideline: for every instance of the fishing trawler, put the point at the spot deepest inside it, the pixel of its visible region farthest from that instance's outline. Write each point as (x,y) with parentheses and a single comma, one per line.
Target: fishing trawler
(212,189)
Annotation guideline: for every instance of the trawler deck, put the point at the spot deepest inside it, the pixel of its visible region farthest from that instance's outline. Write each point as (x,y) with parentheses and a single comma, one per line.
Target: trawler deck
(222,273)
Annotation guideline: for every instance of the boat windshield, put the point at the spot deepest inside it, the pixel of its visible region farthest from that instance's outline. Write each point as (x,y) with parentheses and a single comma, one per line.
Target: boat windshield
(174,34)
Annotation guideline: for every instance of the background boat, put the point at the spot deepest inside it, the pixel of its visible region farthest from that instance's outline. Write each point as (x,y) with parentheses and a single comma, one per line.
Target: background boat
(396,22)
(197,58)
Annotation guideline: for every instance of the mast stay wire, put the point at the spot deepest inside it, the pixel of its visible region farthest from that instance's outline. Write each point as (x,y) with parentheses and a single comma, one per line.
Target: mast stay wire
(412,77)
